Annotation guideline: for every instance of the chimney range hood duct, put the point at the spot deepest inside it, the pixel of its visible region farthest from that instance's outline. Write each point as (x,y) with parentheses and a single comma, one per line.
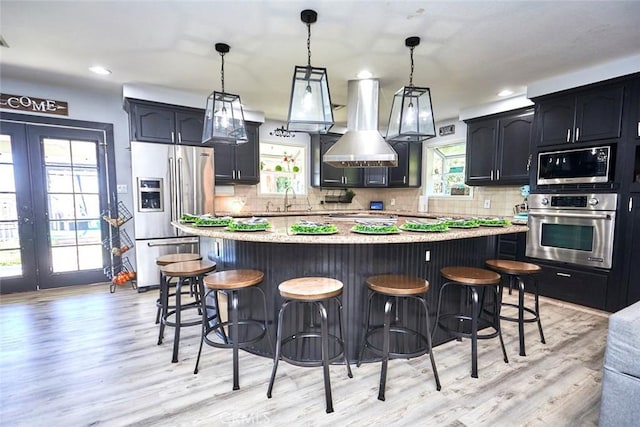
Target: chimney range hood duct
(362,145)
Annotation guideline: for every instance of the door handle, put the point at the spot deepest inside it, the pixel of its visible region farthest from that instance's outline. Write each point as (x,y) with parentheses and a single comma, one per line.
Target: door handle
(497,174)
(577,134)
(568,135)
(179,189)
(172,188)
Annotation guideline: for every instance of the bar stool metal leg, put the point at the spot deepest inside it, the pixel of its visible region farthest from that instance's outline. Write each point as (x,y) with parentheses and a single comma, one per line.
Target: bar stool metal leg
(341,328)
(364,336)
(276,355)
(475,313)
(176,337)
(385,347)
(537,306)
(325,354)
(430,343)
(521,315)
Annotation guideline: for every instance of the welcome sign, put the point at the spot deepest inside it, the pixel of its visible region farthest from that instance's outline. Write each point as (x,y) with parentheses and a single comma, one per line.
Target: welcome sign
(34,105)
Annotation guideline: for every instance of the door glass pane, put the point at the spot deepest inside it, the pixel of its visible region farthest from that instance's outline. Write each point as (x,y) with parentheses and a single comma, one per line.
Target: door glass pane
(10,263)
(90,257)
(85,180)
(59,179)
(6,156)
(62,233)
(577,237)
(56,151)
(83,153)
(87,206)
(64,258)
(61,206)
(88,231)
(9,235)
(8,209)
(7,182)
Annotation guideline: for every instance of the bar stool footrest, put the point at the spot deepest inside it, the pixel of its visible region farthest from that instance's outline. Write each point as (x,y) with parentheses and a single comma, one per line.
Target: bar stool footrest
(221,334)
(465,320)
(398,330)
(515,319)
(311,363)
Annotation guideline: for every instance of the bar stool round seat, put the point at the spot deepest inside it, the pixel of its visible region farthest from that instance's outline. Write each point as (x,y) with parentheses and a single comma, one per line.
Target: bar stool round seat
(396,288)
(236,332)
(314,291)
(517,271)
(190,272)
(163,260)
(474,284)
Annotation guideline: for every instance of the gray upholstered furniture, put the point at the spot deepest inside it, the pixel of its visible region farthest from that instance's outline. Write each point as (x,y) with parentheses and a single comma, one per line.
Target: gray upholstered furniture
(620,404)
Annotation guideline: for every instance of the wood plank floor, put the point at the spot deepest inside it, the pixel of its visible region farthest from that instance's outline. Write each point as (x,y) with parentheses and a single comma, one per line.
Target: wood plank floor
(82,356)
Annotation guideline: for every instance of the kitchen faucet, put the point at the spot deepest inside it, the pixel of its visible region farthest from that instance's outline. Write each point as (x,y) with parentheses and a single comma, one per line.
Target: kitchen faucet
(268,204)
(287,205)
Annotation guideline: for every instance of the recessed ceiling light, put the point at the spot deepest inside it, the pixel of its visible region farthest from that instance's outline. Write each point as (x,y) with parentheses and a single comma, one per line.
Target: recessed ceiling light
(100,70)
(364,74)
(505,92)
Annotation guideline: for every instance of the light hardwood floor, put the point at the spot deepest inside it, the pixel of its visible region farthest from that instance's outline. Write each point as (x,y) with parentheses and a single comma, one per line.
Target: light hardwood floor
(82,356)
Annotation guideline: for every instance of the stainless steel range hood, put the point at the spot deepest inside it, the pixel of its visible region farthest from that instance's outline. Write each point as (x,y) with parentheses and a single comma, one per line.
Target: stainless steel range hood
(362,145)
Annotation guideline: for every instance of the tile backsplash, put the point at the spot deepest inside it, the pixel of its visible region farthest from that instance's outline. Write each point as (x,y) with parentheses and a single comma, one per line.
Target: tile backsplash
(245,199)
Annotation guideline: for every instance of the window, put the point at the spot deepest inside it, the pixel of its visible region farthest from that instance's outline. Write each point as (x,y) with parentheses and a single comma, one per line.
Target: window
(283,166)
(445,170)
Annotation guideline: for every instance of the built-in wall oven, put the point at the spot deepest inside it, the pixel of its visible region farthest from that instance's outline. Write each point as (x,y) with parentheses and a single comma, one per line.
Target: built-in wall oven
(572,228)
(584,165)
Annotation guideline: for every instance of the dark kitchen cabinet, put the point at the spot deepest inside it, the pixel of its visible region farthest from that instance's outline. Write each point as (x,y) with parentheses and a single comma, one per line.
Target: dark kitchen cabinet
(164,123)
(239,164)
(331,176)
(589,115)
(579,286)
(408,173)
(376,177)
(498,149)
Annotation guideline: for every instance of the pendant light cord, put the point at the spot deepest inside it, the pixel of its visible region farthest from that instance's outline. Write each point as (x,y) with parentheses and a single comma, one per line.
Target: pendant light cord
(309,45)
(411,75)
(222,71)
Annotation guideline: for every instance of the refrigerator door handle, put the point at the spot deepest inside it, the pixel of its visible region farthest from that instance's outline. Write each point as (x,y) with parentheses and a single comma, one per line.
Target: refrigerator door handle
(182,242)
(179,188)
(172,186)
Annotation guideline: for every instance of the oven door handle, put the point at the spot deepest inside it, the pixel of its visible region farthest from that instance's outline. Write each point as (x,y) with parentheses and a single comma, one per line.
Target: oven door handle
(572,215)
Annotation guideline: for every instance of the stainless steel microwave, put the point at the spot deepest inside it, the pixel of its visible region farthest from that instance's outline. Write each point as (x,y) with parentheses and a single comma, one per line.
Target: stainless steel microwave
(576,166)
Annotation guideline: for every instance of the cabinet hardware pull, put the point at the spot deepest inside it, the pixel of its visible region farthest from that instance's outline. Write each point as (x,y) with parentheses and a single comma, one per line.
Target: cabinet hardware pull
(563,274)
(233,174)
(173,137)
(638,128)
(568,135)
(491,174)
(630,204)
(529,163)
(179,137)
(497,174)
(239,174)
(577,134)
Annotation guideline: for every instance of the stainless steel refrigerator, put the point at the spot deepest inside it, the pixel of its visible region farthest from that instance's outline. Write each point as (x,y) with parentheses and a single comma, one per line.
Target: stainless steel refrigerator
(169,180)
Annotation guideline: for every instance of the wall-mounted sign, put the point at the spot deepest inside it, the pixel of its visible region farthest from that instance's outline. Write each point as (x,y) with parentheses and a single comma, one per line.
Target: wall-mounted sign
(447,130)
(34,105)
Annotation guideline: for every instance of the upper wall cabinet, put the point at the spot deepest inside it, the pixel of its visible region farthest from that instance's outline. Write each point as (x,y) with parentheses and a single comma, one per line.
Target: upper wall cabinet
(164,123)
(408,173)
(498,149)
(329,176)
(586,116)
(239,164)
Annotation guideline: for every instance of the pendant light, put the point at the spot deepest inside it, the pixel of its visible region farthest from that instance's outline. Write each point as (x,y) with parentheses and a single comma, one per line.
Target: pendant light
(224,118)
(411,116)
(310,104)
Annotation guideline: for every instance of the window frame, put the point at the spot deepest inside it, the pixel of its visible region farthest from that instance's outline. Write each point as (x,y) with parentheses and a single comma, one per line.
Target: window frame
(429,149)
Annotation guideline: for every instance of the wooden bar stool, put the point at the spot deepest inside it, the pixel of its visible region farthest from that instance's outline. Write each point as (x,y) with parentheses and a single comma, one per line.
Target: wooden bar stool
(517,271)
(475,281)
(394,288)
(167,259)
(190,272)
(241,331)
(315,291)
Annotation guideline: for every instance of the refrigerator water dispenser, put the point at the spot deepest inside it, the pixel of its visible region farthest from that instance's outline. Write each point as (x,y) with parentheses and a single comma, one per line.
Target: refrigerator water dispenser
(150,192)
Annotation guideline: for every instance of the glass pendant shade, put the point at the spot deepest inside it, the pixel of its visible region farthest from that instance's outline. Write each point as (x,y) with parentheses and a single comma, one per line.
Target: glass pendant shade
(224,120)
(411,116)
(310,105)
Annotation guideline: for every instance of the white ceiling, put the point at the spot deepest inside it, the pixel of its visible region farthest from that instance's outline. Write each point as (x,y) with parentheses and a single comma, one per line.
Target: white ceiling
(470,50)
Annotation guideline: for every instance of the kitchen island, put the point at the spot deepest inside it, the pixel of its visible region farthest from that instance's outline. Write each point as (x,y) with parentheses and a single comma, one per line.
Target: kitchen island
(350,258)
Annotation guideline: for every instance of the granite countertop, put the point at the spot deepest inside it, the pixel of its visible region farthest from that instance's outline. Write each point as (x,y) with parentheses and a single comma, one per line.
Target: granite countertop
(280,232)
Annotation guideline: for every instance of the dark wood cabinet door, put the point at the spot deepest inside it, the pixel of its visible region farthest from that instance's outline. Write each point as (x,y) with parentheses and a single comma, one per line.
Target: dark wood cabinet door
(153,124)
(224,161)
(555,120)
(514,138)
(375,177)
(481,152)
(399,176)
(598,114)
(189,127)
(247,157)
